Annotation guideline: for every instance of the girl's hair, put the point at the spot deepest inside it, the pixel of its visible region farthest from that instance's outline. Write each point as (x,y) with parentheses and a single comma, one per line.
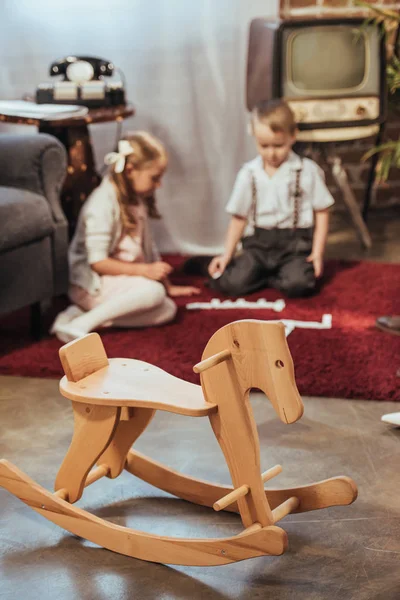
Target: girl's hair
(145,149)
(276,114)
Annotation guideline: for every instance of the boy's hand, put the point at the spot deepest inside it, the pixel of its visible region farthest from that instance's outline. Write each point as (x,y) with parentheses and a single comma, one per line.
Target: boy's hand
(217,265)
(318,263)
(157,270)
(182,290)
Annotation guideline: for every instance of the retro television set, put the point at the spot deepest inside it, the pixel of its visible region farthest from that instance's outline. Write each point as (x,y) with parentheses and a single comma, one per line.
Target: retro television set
(330,71)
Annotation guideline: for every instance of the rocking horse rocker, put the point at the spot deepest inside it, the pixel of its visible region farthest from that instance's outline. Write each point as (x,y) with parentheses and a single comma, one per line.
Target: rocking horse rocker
(113,402)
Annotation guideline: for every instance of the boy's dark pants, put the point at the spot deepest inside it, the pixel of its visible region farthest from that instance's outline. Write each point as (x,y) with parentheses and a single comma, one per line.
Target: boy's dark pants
(271,258)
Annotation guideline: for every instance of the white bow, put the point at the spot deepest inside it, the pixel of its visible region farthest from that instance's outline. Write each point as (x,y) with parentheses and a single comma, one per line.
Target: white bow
(118,158)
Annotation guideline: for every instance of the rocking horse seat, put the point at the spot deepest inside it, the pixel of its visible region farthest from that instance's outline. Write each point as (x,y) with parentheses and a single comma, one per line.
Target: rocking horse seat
(134,383)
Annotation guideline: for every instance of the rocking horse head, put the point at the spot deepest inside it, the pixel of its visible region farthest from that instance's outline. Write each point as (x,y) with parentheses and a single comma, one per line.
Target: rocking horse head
(257,356)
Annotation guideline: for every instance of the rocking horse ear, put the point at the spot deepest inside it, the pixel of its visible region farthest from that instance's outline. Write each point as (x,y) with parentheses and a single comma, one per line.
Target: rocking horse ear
(83,357)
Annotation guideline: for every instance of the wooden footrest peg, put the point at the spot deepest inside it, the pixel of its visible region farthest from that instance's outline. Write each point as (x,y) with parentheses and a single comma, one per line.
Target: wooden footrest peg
(231,497)
(285,508)
(244,489)
(270,473)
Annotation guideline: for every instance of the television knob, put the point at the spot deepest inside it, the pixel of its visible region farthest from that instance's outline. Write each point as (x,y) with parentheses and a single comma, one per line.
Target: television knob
(301,114)
(361,110)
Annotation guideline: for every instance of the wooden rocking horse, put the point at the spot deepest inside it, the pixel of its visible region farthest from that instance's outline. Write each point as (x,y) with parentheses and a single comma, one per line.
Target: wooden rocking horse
(113,402)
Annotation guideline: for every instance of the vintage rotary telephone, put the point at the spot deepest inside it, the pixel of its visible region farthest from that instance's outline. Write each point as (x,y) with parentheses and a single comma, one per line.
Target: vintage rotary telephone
(83,83)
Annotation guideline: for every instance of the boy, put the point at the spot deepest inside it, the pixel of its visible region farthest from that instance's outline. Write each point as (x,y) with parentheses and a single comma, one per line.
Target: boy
(285,201)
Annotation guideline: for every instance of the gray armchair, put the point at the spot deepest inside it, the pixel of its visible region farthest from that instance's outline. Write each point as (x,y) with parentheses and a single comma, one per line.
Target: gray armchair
(33,227)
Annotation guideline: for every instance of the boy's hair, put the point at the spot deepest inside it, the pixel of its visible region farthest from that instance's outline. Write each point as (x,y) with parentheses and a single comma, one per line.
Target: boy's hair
(146,149)
(276,114)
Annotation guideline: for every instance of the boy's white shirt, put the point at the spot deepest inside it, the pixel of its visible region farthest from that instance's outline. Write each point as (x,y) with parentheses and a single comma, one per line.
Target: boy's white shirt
(97,234)
(275,195)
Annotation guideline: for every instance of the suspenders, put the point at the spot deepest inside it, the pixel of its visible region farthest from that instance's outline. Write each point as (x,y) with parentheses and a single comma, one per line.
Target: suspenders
(254,199)
(296,197)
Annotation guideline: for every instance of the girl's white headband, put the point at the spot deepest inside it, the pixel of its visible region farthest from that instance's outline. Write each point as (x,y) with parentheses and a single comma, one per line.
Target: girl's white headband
(118,158)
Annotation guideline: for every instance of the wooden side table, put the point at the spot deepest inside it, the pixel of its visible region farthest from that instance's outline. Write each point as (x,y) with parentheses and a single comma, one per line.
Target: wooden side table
(74,134)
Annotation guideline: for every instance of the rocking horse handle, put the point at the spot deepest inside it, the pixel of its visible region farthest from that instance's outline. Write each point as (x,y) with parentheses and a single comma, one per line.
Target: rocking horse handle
(212,361)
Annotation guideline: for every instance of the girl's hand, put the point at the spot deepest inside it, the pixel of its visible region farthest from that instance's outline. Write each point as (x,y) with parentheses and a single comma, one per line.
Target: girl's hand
(182,290)
(157,270)
(217,265)
(318,263)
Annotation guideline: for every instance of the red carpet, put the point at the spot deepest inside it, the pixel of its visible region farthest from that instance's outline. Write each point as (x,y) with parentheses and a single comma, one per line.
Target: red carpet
(351,360)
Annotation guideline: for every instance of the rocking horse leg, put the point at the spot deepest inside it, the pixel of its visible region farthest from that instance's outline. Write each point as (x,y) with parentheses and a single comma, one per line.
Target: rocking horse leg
(337,491)
(94,427)
(236,432)
(132,423)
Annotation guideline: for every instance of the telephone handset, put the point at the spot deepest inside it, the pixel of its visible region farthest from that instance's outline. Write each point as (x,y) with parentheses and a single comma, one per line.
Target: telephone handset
(83,83)
(81,68)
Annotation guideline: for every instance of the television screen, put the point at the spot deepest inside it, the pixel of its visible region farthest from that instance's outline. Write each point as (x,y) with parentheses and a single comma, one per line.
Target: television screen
(330,60)
(313,65)
(331,71)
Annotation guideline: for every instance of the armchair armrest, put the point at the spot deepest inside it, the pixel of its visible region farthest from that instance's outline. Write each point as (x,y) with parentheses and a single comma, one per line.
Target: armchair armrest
(36,163)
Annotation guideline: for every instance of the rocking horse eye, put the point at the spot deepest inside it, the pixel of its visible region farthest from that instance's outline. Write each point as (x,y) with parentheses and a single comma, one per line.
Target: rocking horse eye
(279,364)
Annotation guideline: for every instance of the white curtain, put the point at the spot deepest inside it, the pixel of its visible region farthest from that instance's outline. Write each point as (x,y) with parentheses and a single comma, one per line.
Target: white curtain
(184,63)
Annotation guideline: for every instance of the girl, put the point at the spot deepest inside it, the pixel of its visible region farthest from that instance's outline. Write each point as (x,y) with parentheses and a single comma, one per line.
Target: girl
(116,275)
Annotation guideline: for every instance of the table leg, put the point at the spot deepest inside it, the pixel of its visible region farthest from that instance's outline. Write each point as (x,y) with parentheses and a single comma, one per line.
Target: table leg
(82,177)
(342,182)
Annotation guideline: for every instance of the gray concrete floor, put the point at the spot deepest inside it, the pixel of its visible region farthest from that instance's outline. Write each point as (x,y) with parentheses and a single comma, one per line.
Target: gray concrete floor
(349,553)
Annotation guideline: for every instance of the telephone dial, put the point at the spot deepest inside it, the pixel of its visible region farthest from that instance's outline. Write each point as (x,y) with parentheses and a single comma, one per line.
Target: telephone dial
(83,83)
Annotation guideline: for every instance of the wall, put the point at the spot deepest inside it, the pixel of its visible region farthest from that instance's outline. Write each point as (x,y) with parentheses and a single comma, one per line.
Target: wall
(185,68)
(184,63)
